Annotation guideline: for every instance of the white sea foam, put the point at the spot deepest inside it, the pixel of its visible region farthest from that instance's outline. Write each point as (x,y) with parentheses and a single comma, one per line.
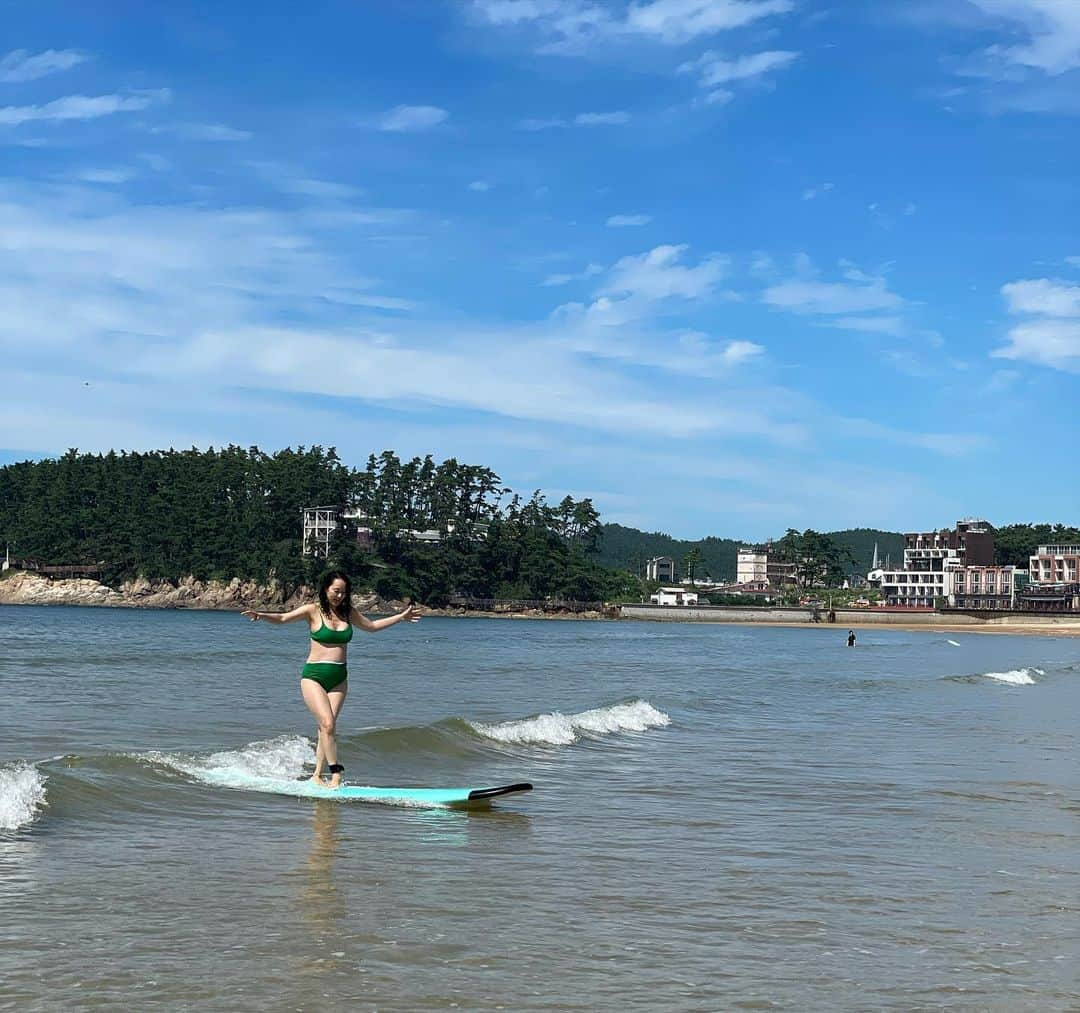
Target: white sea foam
(1015,677)
(22,794)
(563,729)
(281,759)
(953,642)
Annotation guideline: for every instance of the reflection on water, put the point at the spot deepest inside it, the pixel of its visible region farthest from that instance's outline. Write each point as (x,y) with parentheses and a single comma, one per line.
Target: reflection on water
(323,905)
(20,854)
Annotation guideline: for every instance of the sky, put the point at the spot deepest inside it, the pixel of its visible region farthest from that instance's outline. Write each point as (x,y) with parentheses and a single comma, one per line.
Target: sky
(725,267)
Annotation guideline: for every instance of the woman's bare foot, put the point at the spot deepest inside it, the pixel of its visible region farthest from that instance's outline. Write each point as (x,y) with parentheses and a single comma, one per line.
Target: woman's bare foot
(335,781)
(317,779)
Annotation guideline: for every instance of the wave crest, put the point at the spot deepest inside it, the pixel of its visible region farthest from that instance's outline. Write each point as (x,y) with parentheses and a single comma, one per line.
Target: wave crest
(22,794)
(1015,677)
(560,729)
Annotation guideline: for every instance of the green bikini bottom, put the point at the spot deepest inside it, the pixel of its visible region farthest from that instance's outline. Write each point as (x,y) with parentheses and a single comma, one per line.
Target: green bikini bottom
(327,674)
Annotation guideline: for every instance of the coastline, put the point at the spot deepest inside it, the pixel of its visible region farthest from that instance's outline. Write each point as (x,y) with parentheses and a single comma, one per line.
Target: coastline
(235,595)
(226,596)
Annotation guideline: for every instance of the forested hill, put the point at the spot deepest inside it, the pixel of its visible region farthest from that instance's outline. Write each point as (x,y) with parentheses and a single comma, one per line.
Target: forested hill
(624,548)
(628,549)
(236,512)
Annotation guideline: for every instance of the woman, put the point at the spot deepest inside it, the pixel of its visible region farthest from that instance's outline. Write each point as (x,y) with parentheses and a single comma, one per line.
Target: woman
(324,679)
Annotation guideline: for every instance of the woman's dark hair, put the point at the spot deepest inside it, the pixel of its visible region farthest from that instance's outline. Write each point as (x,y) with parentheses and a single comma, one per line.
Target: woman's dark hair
(328,578)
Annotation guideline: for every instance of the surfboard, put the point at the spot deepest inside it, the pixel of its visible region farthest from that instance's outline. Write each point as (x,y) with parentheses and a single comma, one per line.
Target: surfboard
(455,798)
(459,798)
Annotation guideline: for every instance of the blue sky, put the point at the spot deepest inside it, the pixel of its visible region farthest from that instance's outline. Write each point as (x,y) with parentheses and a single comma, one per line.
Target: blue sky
(724,266)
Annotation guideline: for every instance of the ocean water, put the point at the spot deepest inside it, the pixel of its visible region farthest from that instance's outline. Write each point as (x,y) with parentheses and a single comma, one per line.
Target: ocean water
(723,818)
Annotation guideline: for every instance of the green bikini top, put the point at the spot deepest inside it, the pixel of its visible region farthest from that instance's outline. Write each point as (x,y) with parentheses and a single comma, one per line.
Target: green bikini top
(325,635)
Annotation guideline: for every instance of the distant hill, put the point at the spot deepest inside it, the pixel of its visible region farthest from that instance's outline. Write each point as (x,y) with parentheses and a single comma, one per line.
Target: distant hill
(861,542)
(629,549)
(625,548)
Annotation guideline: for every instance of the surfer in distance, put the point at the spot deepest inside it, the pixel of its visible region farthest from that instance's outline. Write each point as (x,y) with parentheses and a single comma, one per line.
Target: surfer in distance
(324,678)
(851,638)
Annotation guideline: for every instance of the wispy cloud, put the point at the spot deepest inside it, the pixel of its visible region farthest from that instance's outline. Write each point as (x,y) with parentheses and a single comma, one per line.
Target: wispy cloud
(212,132)
(612,119)
(813,192)
(591,271)
(627,221)
(411,119)
(714,70)
(480,186)
(81,107)
(105,176)
(21,65)
(1051,337)
(857,293)
(1051,30)
(572,26)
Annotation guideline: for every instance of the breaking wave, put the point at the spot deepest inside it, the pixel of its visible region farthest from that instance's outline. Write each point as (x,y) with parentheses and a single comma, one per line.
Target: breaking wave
(559,729)
(22,795)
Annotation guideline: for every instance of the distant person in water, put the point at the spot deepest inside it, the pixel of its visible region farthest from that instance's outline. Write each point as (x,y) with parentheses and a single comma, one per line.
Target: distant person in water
(851,638)
(324,679)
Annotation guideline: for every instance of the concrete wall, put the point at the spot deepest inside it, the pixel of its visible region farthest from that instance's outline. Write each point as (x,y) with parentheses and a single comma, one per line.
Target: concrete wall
(844,617)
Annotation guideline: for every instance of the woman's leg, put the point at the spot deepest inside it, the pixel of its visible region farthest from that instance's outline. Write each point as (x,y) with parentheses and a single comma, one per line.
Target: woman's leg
(337,701)
(318,702)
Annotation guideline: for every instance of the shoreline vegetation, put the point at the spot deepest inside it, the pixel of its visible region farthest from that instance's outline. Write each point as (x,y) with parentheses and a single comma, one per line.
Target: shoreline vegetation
(236,594)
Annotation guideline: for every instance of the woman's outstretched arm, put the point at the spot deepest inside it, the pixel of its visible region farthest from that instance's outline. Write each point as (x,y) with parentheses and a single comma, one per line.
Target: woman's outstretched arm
(303,612)
(374,625)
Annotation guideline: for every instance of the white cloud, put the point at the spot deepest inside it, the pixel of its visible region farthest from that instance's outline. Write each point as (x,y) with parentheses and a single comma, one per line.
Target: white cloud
(480,185)
(627,221)
(81,107)
(591,271)
(892,325)
(1051,29)
(410,119)
(540,124)
(572,26)
(1043,296)
(106,176)
(212,132)
(1046,342)
(812,192)
(321,188)
(1052,337)
(602,119)
(740,351)
(20,65)
(659,275)
(714,70)
(860,294)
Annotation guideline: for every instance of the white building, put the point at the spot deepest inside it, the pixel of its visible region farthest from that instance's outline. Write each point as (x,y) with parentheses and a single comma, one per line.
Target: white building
(951,567)
(660,568)
(673,596)
(752,565)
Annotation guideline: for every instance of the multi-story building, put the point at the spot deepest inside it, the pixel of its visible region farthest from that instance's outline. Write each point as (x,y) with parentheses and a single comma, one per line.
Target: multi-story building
(931,558)
(983,587)
(758,565)
(661,568)
(1053,580)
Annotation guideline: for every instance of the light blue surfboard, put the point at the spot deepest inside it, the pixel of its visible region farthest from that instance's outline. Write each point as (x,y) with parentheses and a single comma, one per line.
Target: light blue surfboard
(457,798)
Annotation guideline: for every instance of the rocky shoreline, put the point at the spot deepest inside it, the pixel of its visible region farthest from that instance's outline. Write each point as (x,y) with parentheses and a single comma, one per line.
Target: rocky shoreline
(230,595)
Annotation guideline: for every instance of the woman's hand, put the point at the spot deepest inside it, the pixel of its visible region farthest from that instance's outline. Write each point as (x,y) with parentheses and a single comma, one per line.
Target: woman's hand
(411,614)
(250,614)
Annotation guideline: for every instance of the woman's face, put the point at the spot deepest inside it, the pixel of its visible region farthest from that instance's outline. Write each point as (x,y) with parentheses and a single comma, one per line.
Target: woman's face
(335,593)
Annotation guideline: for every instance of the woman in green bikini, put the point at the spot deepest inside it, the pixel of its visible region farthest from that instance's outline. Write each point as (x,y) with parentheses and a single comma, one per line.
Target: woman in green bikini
(324,679)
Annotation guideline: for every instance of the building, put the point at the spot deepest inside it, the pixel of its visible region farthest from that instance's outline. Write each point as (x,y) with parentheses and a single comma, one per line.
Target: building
(660,568)
(759,565)
(1053,580)
(321,523)
(983,587)
(931,559)
(673,596)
